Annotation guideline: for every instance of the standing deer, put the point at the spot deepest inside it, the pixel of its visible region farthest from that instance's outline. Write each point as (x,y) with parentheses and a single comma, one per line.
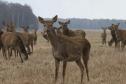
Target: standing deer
(120,35)
(66,31)
(114,38)
(103,36)
(67,49)
(34,36)
(10,27)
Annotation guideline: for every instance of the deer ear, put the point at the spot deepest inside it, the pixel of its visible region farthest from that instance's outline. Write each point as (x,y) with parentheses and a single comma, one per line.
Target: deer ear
(54,19)
(40,19)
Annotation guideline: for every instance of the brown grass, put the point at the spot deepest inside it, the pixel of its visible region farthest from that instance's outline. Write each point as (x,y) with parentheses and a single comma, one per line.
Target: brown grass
(107,65)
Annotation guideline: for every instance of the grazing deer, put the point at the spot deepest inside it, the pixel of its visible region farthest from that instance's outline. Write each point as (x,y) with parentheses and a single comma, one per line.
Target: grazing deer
(103,36)
(66,48)
(114,38)
(27,39)
(66,31)
(11,40)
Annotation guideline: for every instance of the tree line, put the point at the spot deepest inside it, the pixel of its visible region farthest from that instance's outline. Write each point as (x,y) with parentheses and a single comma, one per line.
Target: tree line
(20,15)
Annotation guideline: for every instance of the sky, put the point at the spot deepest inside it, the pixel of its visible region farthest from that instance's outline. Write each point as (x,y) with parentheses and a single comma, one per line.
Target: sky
(91,9)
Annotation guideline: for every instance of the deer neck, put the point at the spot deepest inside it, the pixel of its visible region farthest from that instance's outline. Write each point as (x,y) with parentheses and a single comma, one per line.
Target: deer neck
(53,39)
(66,31)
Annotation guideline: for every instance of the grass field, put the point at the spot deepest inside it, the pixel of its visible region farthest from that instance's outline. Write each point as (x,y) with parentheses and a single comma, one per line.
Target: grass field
(107,65)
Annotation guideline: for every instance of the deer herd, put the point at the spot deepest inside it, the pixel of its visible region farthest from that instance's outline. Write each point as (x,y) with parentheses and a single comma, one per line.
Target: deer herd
(67,45)
(17,42)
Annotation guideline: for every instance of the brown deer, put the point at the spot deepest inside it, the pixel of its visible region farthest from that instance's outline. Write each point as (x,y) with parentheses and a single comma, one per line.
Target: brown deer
(34,36)
(114,38)
(27,38)
(67,49)
(66,31)
(32,39)
(9,27)
(104,36)
(10,41)
(120,35)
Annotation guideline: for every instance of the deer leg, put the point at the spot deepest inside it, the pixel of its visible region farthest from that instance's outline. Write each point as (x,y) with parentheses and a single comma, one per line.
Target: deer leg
(116,44)
(21,57)
(122,45)
(4,53)
(32,46)
(28,49)
(86,67)
(79,63)
(16,53)
(64,70)
(85,58)
(111,42)
(85,61)
(57,63)
(105,41)
(9,53)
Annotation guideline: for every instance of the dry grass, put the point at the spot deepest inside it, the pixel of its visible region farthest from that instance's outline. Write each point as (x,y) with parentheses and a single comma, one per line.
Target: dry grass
(106,66)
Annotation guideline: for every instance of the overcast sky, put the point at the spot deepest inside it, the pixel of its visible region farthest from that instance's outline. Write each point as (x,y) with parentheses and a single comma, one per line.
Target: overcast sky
(92,9)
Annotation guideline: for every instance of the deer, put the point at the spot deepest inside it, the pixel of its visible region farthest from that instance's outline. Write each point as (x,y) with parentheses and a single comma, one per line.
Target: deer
(29,39)
(120,35)
(34,36)
(114,38)
(104,35)
(66,31)
(10,41)
(9,27)
(66,49)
